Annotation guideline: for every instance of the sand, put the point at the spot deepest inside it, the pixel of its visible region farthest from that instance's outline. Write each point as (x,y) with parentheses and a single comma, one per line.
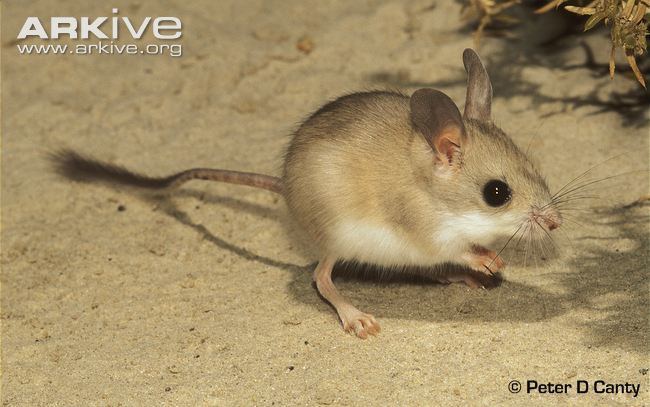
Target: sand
(112,298)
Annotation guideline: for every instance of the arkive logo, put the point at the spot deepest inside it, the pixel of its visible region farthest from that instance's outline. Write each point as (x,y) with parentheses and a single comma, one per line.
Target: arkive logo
(162,28)
(101,36)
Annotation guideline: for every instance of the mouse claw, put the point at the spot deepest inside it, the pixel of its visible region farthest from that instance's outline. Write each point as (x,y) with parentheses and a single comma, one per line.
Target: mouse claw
(361,324)
(489,271)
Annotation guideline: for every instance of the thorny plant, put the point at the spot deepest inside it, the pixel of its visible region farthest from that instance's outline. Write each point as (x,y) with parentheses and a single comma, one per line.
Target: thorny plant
(626,19)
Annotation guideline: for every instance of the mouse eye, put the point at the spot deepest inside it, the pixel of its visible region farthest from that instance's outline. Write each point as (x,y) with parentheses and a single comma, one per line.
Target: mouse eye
(496,193)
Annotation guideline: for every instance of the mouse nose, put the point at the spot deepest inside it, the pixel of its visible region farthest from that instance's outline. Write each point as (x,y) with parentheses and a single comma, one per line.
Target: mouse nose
(549,216)
(552,219)
(551,224)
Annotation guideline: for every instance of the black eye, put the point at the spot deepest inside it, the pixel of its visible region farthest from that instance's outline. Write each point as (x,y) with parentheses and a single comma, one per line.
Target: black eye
(496,193)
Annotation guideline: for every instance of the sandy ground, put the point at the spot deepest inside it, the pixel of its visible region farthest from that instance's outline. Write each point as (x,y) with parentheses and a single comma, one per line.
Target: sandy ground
(206,298)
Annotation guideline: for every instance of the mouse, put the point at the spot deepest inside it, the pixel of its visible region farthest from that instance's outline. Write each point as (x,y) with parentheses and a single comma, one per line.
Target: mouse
(393,181)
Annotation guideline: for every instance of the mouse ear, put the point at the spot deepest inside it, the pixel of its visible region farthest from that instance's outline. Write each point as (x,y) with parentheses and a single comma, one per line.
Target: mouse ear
(436,116)
(478,104)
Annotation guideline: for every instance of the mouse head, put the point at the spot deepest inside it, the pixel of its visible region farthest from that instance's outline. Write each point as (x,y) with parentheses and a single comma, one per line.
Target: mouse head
(484,177)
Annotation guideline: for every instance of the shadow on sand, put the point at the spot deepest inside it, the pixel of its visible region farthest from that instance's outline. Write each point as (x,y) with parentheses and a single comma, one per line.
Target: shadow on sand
(611,286)
(530,47)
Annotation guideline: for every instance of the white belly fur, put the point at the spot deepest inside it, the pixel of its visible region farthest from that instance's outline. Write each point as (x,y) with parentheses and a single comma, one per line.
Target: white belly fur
(380,245)
(368,242)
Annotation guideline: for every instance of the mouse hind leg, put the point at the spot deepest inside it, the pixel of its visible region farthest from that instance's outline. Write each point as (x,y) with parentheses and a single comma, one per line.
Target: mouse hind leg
(353,320)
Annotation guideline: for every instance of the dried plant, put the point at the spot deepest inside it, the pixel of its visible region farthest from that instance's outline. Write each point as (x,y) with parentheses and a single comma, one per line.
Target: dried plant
(487,12)
(626,19)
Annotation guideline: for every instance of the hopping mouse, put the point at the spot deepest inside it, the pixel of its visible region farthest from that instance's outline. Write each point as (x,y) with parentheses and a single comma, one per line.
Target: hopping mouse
(393,181)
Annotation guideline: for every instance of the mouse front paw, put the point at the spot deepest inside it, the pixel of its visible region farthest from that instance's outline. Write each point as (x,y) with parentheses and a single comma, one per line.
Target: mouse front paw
(359,323)
(484,260)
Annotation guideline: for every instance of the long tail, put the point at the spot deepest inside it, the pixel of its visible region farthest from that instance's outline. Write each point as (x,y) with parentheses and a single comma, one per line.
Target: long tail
(75,166)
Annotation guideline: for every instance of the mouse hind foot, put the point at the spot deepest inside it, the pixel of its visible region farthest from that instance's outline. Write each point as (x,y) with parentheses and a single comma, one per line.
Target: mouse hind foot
(353,320)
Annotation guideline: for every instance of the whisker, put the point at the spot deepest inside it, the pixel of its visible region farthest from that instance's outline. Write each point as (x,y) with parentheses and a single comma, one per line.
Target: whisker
(540,242)
(568,213)
(537,244)
(533,137)
(504,246)
(528,239)
(525,235)
(575,188)
(577,194)
(568,219)
(578,198)
(577,210)
(527,223)
(591,182)
(586,172)
(543,239)
(568,239)
(548,244)
(546,232)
